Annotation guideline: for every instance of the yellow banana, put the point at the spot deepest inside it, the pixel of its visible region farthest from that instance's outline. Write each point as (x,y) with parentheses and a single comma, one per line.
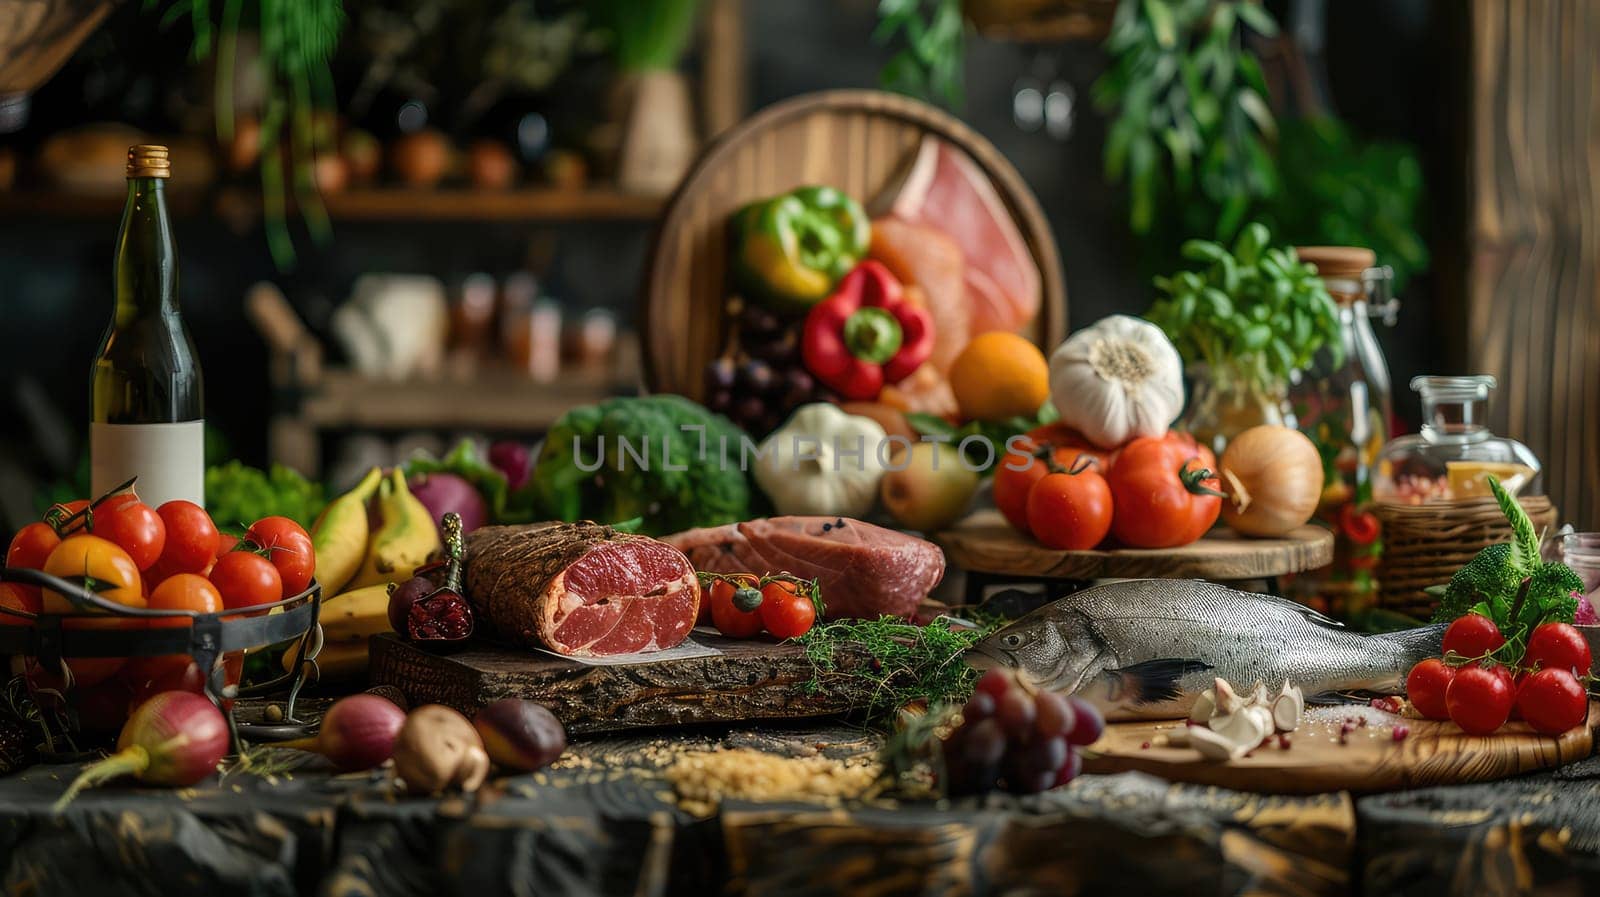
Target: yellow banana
(404,541)
(339,536)
(336,662)
(356,616)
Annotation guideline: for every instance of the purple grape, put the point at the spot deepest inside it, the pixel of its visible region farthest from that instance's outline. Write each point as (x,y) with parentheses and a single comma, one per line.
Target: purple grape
(720,401)
(1054,714)
(781,350)
(994,683)
(749,411)
(979,707)
(1087,723)
(756,376)
(1015,713)
(756,320)
(1070,768)
(985,743)
(799,387)
(720,373)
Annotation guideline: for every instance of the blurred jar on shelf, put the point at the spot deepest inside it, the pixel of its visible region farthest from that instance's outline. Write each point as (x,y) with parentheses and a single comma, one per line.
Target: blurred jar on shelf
(1455,450)
(591,343)
(530,329)
(471,325)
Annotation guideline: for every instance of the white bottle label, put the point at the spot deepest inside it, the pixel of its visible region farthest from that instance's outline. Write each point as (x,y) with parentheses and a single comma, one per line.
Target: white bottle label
(168,459)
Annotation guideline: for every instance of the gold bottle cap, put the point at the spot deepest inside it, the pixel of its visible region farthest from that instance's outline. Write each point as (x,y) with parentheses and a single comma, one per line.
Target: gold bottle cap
(148,161)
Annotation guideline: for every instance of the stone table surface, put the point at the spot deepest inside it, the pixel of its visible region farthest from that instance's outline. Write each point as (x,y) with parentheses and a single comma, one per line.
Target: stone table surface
(607,821)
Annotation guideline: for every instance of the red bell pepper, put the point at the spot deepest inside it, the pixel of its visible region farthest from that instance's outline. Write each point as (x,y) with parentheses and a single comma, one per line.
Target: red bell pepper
(866,335)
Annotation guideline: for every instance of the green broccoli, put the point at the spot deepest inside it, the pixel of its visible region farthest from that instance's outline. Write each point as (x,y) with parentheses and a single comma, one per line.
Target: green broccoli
(1492,582)
(663,463)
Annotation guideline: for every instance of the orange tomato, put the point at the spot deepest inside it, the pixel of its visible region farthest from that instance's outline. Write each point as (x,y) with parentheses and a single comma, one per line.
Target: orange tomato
(98,565)
(184,591)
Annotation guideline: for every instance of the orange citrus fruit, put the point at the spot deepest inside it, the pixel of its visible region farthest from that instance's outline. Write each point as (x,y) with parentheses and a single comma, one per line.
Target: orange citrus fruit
(1000,375)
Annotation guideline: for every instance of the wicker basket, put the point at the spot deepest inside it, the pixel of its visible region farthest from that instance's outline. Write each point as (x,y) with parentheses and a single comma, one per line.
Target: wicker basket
(1424,545)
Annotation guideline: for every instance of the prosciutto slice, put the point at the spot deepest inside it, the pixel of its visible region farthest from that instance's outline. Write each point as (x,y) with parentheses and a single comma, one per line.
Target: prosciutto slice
(945,189)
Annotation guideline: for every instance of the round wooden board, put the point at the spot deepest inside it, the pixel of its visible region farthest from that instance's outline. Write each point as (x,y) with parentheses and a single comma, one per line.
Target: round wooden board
(985,543)
(855,140)
(1370,760)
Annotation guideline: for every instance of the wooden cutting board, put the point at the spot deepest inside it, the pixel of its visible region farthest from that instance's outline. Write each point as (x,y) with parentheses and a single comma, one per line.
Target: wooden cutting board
(985,543)
(748,680)
(1369,760)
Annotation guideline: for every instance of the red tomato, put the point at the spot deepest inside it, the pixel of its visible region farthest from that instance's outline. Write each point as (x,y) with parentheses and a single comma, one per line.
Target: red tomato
(1426,686)
(1552,701)
(729,619)
(226,542)
(1472,635)
(63,512)
(1068,445)
(1013,477)
(1558,646)
(1360,527)
(15,596)
(85,671)
(1480,699)
(191,537)
(786,610)
(31,546)
(185,591)
(97,564)
(246,580)
(1070,511)
(289,549)
(135,527)
(1163,493)
(29,549)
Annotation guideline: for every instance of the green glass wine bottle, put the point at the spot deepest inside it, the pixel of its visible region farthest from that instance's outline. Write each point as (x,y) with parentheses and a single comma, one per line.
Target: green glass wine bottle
(147,397)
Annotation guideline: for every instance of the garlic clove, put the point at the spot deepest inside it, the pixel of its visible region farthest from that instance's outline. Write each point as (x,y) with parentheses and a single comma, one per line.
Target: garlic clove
(1214,745)
(1288,707)
(1228,700)
(1259,695)
(1204,706)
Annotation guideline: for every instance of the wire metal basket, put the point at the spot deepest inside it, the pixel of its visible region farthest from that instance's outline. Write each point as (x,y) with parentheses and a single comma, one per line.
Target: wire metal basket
(50,639)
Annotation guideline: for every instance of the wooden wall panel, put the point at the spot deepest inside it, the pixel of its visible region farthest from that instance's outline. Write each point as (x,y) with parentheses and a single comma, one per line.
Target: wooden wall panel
(1533,292)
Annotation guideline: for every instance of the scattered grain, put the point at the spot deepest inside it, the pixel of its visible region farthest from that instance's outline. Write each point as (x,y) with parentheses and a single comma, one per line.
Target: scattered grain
(703,779)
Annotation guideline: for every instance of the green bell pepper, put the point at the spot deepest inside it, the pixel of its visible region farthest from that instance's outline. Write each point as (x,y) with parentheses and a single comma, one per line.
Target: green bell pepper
(791,250)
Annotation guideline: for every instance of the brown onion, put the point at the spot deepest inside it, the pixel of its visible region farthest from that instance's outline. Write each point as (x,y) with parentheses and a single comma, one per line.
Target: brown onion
(1273,479)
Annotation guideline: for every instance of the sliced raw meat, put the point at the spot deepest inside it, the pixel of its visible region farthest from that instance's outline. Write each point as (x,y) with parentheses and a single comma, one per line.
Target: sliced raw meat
(926,391)
(944,188)
(581,589)
(864,570)
(926,257)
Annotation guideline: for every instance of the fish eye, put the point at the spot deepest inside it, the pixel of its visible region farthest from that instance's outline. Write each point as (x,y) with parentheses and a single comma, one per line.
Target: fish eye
(1014,640)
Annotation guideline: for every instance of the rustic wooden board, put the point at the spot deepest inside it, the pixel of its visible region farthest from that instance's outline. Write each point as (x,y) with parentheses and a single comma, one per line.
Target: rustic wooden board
(749,680)
(985,543)
(851,139)
(1370,760)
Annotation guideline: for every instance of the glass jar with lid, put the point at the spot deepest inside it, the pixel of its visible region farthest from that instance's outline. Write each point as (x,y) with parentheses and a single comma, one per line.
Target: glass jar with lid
(1343,405)
(1455,450)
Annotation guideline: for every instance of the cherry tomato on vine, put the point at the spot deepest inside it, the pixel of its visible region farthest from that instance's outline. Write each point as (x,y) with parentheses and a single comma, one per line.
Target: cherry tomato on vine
(135,527)
(1558,646)
(246,580)
(288,547)
(31,546)
(1427,685)
(191,543)
(1472,635)
(1480,698)
(735,606)
(786,609)
(1552,701)
(1361,527)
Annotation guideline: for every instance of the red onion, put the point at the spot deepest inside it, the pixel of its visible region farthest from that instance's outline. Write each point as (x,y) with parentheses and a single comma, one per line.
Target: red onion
(520,734)
(442,492)
(357,732)
(176,739)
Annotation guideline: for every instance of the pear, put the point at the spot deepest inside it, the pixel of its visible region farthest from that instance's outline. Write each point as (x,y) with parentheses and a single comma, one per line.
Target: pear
(928,487)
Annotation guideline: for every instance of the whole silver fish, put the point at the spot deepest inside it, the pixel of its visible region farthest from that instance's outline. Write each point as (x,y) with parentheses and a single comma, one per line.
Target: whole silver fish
(1145,649)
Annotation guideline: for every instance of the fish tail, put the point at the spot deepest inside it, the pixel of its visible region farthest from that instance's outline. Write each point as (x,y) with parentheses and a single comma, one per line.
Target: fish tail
(1421,642)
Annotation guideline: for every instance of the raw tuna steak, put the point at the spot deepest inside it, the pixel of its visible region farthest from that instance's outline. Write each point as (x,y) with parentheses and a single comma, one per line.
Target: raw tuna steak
(581,589)
(944,188)
(864,570)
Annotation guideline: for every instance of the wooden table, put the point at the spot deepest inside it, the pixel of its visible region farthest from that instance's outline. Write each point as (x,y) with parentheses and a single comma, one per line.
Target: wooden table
(606,823)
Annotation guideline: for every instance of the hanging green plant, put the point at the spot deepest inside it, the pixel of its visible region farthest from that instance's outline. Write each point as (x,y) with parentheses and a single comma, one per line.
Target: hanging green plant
(1191,120)
(297,40)
(931,36)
